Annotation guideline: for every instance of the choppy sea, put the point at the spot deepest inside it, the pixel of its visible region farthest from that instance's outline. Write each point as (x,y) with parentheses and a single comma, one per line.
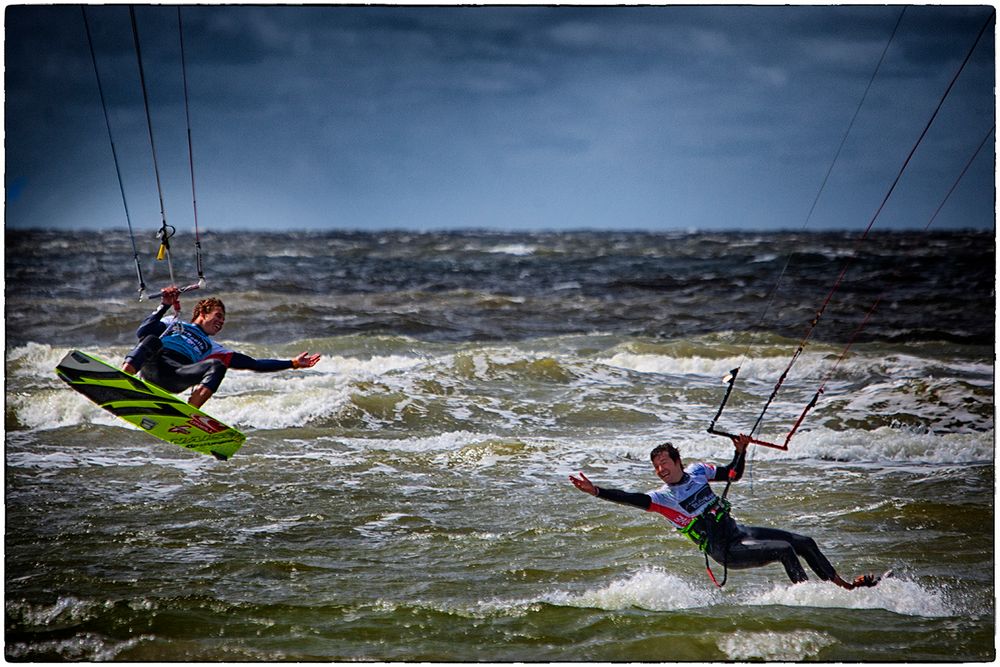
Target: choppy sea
(407,498)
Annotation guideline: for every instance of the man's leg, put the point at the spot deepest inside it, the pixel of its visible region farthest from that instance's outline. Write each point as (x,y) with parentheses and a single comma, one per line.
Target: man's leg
(205,376)
(805,547)
(751,550)
(200,394)
(145,350)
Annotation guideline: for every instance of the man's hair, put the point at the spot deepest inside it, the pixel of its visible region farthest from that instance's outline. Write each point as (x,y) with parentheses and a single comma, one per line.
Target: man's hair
(667,448)
(206,306)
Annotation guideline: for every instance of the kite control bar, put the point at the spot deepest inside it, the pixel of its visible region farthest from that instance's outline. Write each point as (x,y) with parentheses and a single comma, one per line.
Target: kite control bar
(730,379)
(753,441)
(187,288)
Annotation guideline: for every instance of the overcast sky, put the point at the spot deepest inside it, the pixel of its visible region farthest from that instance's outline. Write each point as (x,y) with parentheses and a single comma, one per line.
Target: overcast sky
(510,118)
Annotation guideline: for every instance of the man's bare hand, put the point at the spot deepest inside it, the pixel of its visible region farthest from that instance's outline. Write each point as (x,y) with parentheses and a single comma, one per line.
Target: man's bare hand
(584,484)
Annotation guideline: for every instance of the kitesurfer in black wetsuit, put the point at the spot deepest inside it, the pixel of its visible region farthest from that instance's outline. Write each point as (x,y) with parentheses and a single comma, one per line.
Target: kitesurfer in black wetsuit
(176,355)
(688,502)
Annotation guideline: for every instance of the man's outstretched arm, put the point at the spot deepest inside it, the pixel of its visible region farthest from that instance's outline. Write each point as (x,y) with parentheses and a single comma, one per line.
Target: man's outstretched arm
(240,361)
(640,500)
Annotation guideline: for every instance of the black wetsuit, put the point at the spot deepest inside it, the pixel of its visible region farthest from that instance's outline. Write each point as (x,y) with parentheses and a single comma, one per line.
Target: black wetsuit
(187,356)
(692,504)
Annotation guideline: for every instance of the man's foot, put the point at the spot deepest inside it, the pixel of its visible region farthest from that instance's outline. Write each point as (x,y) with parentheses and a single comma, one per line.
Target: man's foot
(870,580)
(861,581)
(129,368)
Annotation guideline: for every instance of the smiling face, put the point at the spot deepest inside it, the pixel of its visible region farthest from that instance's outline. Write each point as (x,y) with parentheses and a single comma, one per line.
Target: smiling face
(211,322)
(210,315)
(667,469)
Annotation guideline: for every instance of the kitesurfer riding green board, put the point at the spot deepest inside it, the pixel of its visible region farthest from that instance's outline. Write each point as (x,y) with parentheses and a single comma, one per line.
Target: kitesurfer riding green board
(172,356)
(178,355)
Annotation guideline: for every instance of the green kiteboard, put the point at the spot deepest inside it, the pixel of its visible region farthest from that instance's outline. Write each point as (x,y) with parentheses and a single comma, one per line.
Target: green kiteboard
(152,409)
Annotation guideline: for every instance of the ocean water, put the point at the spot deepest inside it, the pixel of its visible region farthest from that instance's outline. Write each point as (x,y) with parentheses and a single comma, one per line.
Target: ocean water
(407,498)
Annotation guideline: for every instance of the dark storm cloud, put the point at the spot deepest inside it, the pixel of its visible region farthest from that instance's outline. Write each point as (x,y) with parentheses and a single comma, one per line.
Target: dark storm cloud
(531,116)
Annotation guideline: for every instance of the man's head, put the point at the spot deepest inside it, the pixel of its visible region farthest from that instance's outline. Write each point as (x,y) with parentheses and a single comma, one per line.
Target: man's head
(667,462)
(210,315)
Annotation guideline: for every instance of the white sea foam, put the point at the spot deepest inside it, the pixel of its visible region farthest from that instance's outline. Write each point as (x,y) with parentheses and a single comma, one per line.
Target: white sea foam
(900,596)
(34,358)
(443,442)
(503,390)
(812,368)
(117,456)
(772,646)
(656,363)
(882,446)
(57,408)
(763,370)
(294,398)
(82,647)
(283,402)
(517,249)
(69,610)
(386,525)
(65,608)
(943,401)
(887,444)
(651,589)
